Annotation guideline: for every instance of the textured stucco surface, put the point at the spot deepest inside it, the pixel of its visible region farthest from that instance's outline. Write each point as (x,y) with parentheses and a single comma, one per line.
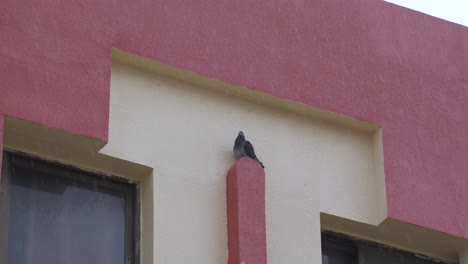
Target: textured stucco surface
(367,59)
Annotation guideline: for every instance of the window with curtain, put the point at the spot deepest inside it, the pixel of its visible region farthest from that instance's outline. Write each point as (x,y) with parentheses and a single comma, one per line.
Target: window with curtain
(53,214)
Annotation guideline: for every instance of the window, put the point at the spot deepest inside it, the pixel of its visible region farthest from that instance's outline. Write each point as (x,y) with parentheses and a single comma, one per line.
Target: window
(339,249)
(53,214)
(336,250)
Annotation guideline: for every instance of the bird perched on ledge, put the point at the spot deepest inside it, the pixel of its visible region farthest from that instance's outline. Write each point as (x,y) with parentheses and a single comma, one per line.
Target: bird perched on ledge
(243,148)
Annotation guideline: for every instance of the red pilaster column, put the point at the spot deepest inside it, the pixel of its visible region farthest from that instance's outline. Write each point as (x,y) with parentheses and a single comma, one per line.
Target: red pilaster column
(246,213)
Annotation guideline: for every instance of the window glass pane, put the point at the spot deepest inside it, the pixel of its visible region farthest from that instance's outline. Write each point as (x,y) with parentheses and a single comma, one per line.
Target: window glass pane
(333,258)
(337,250)
(369,254)
(62,220)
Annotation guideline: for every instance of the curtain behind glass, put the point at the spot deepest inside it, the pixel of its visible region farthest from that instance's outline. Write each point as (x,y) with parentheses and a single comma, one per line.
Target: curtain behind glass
(59,220)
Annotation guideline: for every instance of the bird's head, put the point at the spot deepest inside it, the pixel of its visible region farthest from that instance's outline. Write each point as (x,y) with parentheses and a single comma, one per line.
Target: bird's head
(240,137)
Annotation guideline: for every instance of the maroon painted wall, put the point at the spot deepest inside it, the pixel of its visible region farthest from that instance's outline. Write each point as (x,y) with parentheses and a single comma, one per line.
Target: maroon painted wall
(367,59)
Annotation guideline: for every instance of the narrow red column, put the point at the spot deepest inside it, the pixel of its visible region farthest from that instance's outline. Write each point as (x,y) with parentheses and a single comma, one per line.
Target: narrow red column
(246,213)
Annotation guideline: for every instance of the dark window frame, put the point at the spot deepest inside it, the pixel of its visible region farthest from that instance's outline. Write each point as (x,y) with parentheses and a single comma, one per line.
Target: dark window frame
(341,243)
(13,159)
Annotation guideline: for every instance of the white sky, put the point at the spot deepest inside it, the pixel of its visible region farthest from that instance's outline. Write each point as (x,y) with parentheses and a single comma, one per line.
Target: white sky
(452,10)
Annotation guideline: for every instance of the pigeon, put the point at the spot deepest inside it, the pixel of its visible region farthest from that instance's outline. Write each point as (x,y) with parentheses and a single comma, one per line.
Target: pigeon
(243,148)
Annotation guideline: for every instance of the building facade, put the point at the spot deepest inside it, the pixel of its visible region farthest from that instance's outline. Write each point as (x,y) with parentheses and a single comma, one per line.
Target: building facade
(357,109)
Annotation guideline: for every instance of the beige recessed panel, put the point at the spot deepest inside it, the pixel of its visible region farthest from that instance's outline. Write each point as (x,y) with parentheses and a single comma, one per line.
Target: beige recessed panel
(185,131)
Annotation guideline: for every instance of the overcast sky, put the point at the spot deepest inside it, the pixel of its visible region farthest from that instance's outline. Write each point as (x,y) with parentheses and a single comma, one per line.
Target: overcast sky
(452,10)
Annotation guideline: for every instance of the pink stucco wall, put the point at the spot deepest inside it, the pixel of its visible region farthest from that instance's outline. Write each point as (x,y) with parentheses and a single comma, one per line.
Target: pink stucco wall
(367,59)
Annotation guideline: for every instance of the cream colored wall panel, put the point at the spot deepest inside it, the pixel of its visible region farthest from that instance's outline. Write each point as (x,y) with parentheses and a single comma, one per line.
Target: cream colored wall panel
(185,133)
